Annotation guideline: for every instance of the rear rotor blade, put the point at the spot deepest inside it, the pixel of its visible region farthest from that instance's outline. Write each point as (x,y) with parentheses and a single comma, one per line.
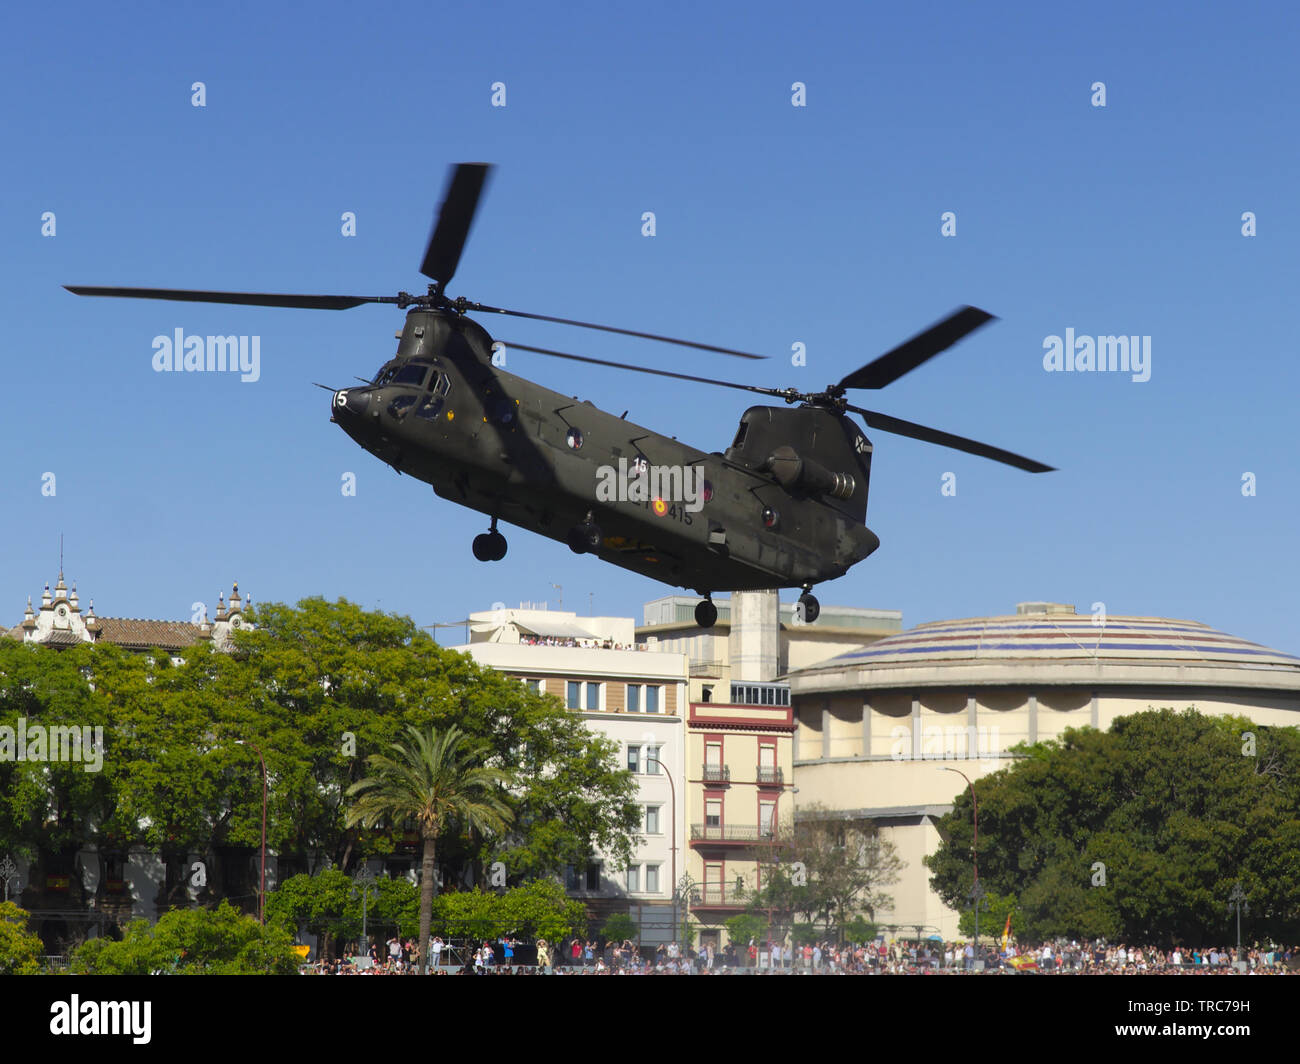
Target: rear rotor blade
(919,349)
(254,299)
(467,305)
(644,369)
(910,429)
(455,216)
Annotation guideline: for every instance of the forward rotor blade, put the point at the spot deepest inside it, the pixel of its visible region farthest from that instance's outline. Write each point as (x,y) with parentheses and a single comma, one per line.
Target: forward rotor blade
(455,216)
(254,299)
(919,349)
(644,369)
(607,328)
(899,427)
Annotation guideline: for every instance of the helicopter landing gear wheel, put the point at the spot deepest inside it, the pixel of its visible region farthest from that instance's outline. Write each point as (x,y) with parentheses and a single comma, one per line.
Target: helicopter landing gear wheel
(706,613)
(809,608)
(490,546)
(585,538)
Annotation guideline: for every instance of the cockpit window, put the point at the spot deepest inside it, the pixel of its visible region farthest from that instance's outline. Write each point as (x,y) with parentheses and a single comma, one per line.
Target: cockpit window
(740,435)
(385,374)
(412,373)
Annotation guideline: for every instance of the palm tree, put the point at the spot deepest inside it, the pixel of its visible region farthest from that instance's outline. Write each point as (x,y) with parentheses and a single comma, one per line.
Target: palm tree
(429,779)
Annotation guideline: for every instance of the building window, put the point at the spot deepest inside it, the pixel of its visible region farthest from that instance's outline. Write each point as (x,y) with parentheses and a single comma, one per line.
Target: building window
(535,686)
(583,696)
(593,696)
(766,819)
(593,875)
(634,879)
(713,813)
(634,759)
(643,698)
(651,699)
(652,879)
(634,698)
(652,766)
(575,695)
(652,820)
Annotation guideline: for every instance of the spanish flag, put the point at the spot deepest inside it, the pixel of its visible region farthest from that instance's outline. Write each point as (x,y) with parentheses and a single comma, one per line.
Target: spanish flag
(1006,933)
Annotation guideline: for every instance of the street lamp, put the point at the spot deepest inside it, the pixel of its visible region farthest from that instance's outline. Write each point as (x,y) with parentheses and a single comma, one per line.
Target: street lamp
(261,894)
(672,791)
(1237,901)
(976,893)
(8,870)
(365,877)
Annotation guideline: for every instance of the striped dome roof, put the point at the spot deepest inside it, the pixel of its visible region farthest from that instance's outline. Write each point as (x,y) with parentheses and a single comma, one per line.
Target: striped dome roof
(1063,637)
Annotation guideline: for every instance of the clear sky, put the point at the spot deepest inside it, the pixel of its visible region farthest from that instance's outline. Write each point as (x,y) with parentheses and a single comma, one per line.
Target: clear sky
(776,225)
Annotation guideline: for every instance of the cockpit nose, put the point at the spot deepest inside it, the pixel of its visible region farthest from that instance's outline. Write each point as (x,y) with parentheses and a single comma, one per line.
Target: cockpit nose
(349,402)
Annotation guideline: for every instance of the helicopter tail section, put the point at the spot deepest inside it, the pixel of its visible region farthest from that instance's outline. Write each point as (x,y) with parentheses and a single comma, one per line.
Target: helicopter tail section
(811,452)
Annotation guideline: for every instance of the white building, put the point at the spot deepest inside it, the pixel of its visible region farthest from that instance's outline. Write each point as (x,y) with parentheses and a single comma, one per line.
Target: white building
(636,699)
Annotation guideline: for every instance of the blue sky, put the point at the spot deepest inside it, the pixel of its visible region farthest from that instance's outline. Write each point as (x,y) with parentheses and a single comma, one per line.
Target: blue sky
(775,225)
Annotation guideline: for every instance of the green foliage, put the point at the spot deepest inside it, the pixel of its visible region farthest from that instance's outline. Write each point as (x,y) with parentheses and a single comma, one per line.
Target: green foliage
(805,933)
(538,909)
(993,917)
(618,927)
(319,688)
(744,928)
(1175,806)
(330,903)
(858,929)
(218,941)
(431,781)
(20,950)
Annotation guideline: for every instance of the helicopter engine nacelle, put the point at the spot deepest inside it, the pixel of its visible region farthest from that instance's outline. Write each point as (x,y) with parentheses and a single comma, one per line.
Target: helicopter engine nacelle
(797,474)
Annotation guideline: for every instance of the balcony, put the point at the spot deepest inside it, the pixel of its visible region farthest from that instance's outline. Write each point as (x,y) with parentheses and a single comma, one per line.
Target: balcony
(709,670)
(717,774)
(720,897)
(736,833)
(769,775)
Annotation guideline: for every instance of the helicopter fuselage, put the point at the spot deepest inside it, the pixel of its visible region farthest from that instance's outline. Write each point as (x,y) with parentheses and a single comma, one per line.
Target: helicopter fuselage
(442,412)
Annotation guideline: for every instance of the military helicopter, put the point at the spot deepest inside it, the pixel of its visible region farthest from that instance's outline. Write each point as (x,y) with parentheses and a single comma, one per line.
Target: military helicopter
(783,507)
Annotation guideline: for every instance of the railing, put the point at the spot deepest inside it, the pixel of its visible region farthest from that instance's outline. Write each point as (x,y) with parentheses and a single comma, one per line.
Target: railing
(729,833)
(717,774)
(767,774)
(720,896)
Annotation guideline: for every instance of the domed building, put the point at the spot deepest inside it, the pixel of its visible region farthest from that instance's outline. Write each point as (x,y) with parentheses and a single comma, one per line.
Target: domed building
(876,726)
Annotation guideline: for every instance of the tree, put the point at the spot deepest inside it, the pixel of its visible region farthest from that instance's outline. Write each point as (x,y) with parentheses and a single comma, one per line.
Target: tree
(432,781)
(744,928)
(219,941)
(828,868)
(1138,832)
(618,927)
(20,950)
(330,905)
(318,687)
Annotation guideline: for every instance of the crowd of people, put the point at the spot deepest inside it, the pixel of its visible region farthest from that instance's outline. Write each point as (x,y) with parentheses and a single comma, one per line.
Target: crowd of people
(576,956)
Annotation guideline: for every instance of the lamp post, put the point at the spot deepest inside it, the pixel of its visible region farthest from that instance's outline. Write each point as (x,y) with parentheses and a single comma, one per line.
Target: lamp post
(261,894)
(365,877)
(976,893)
(672,791)
(1237,901)
(7,872)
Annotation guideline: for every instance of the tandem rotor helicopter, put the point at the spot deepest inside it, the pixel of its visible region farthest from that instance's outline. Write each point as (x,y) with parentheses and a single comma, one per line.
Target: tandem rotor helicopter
(783,507)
